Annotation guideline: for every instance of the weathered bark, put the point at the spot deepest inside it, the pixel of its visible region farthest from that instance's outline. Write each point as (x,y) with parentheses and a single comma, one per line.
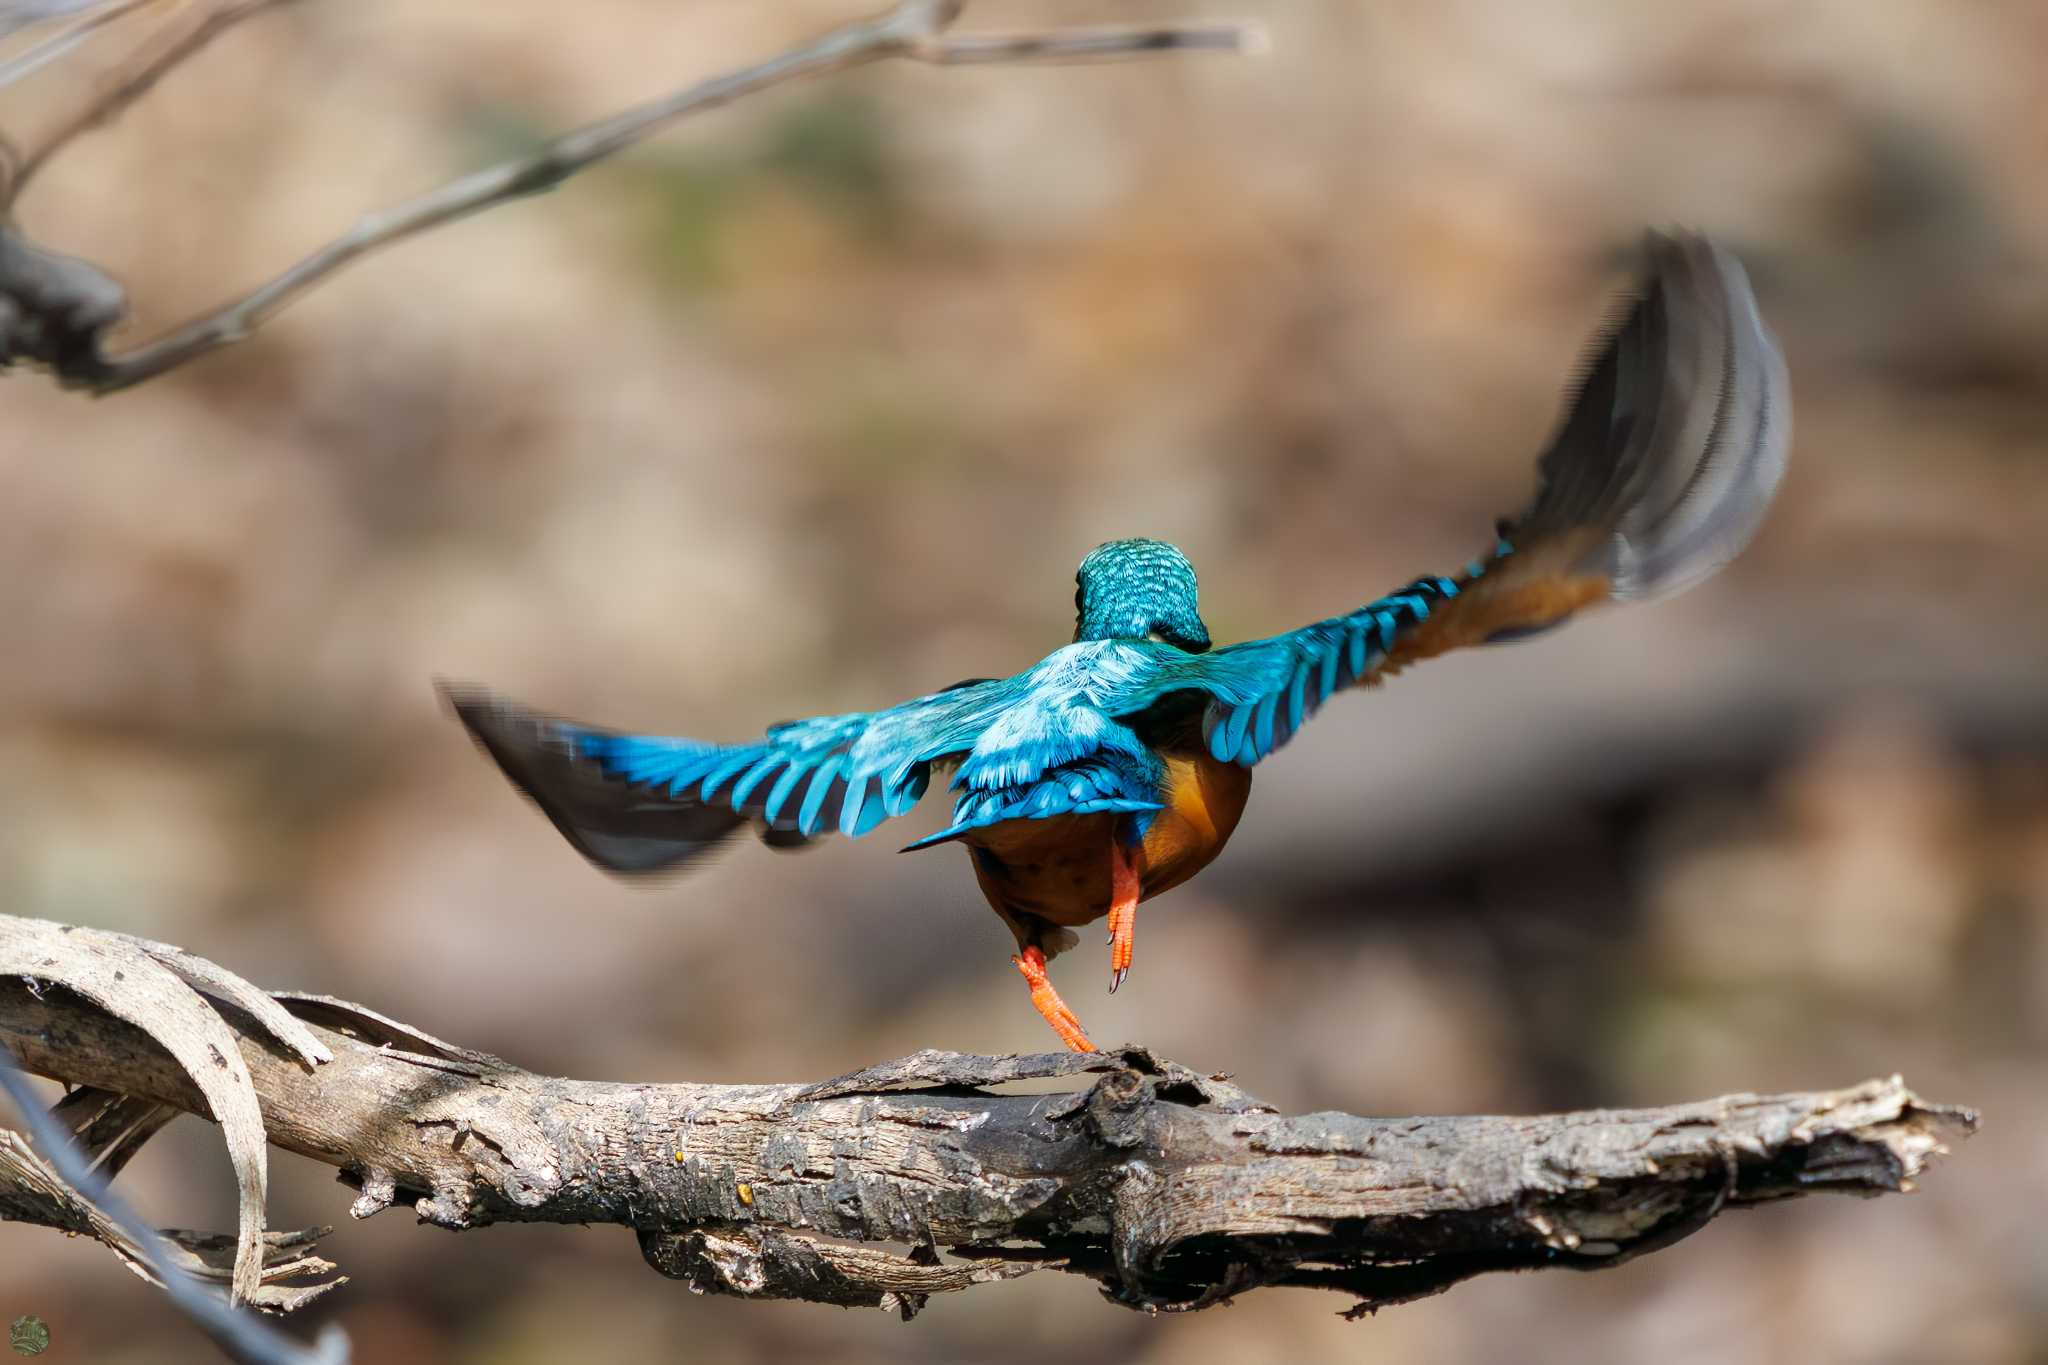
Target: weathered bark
(31,1192)
(1172,1189)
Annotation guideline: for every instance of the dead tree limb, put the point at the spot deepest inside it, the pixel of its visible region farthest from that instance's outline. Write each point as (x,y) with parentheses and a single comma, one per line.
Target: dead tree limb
(1171,1189)
(915,30)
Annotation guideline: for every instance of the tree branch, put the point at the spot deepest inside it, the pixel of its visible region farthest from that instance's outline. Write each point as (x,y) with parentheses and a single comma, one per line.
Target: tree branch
(1171,1189)
(129,86)
(64,41)
(917,30)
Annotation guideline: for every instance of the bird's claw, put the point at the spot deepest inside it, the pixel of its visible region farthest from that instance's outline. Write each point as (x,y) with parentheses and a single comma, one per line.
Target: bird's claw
(1046,1000)
(1123,920)
(1125,886)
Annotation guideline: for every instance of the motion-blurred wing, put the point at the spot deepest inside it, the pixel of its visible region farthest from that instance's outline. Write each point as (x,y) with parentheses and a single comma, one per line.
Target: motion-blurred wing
(639,803)
(1666,461)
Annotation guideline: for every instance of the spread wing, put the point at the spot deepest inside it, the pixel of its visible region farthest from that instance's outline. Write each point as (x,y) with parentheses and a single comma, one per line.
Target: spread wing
(639,803)
(1667,458)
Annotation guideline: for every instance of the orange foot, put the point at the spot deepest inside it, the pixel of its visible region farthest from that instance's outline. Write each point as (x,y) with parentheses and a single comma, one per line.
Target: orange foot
(1031,962)
(1124,889)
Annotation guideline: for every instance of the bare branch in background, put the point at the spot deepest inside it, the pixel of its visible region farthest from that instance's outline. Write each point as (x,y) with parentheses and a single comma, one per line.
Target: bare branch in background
(20,14)
(1097,44)
(917,30)
(1171,1189)
(131,85)
(92,18)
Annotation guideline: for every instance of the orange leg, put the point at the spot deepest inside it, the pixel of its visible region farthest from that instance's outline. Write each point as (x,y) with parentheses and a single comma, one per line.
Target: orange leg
(1031,962)
(1124,889)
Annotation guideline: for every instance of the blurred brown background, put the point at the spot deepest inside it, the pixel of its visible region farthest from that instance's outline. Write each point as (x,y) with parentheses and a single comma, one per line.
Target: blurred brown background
(814,405)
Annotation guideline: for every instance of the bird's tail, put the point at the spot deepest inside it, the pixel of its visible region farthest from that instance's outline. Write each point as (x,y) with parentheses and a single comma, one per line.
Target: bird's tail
(1671,448)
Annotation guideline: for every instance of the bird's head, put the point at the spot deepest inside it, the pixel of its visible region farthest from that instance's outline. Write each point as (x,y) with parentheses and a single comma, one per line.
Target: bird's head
(1135,590)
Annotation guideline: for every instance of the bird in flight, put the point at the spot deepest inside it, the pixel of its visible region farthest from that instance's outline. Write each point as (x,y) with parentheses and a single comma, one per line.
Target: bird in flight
(1116,767)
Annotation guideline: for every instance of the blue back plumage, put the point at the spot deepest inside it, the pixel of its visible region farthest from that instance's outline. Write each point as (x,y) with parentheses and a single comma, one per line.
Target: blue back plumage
(1104,783)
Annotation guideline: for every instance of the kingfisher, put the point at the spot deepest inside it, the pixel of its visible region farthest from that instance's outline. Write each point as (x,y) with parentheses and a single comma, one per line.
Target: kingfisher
(1117,767)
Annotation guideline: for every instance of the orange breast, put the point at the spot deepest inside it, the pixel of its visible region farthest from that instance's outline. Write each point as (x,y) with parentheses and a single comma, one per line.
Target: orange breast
(1204,799)
(1058,869)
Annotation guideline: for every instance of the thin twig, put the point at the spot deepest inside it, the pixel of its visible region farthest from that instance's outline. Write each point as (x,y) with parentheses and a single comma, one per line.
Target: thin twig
(132,87)
(240,1334)
(1098,44)
(65,40)
(20,14)
(915,30)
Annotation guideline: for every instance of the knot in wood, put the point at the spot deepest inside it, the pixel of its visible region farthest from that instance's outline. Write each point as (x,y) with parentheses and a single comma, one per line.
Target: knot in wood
(1117,1107)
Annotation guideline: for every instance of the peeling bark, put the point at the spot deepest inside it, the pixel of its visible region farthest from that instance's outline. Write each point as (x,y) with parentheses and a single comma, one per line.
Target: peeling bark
(1171,1189)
